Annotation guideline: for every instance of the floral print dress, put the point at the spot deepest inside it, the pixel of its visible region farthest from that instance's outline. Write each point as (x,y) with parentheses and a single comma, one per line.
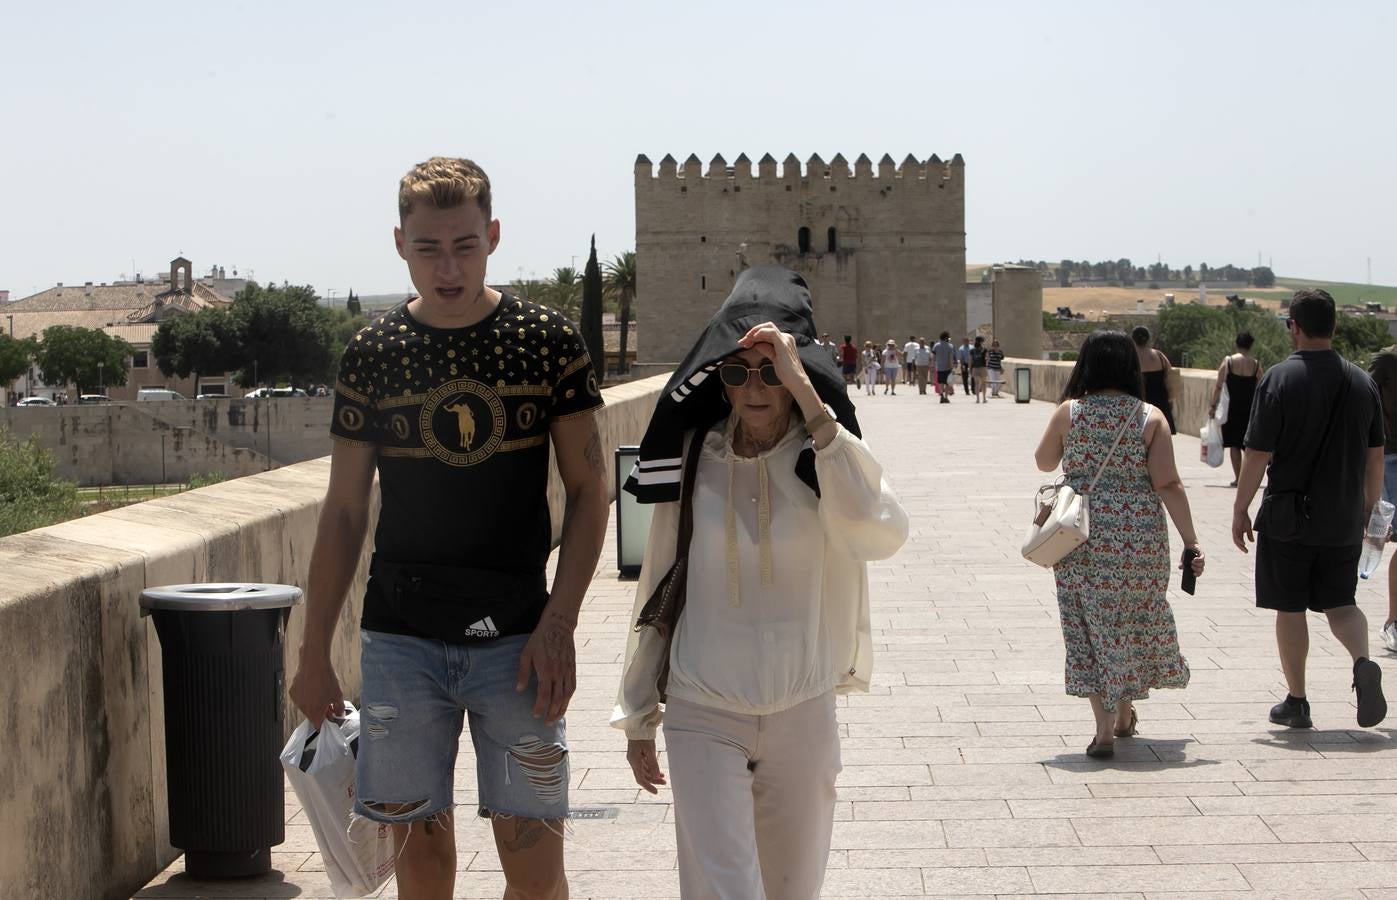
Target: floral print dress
(1111,591)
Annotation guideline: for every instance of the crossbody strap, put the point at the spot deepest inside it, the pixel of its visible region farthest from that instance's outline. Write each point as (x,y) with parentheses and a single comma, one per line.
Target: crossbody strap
(1119,434)
(1329,427)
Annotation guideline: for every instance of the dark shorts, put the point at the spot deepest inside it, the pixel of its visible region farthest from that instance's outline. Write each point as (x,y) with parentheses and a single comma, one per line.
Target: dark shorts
(1294,577)
(850,368)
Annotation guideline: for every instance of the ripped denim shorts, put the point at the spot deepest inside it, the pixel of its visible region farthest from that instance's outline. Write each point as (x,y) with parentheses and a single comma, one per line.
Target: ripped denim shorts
(415,693)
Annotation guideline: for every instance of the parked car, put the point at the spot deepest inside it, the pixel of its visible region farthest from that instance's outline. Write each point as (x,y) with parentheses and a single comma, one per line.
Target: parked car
(36,401)
(158,394)
(87,399)
(262,392)
(212,397)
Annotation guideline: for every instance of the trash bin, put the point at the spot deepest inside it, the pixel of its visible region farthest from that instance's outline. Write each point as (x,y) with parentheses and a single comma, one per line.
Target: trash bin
(224,679)
(1023,385)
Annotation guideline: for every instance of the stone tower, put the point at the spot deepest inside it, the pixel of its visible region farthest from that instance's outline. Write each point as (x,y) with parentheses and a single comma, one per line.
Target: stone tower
(883,252)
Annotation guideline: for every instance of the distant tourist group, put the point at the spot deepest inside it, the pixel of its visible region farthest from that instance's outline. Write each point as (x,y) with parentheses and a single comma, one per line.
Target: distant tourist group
(752,612)
(978,365)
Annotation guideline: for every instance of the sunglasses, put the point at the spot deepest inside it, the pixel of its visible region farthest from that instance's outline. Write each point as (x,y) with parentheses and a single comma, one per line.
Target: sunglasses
(736,374)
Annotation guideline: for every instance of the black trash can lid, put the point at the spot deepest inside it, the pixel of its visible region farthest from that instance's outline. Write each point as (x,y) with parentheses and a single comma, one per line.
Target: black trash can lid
(225,597)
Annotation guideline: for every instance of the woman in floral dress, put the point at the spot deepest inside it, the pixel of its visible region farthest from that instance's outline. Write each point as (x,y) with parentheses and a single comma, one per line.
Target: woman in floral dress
(1111,591)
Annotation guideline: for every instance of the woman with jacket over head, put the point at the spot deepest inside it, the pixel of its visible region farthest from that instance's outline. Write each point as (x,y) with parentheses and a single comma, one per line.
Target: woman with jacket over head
(794,503)
(1154,368)
(1239,373)
(1112,590)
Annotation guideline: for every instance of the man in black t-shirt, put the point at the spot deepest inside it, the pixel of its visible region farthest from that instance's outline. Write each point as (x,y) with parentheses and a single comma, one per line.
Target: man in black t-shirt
(455,397)
(1316,431)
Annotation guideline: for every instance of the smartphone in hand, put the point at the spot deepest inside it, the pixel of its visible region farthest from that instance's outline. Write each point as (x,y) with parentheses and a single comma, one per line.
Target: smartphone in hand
(1190,581)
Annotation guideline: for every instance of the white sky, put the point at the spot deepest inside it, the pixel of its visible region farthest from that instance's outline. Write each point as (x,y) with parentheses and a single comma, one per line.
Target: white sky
(270,136)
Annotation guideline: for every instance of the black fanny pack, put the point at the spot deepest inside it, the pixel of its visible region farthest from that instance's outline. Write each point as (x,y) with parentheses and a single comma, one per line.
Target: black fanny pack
(459,604)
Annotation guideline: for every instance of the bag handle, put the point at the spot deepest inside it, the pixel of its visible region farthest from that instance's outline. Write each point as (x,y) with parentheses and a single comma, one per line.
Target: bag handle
(1119,434)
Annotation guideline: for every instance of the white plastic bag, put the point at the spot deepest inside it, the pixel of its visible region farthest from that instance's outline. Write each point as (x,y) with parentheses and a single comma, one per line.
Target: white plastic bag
(1224,404)
(1210,447)
(358,853)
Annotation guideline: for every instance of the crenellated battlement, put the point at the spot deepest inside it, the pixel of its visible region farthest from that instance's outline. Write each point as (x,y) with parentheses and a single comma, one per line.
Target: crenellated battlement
(792,169)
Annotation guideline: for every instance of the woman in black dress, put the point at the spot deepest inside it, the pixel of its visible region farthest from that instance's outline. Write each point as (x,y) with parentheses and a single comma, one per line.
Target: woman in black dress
(1240,373)
(1155,367)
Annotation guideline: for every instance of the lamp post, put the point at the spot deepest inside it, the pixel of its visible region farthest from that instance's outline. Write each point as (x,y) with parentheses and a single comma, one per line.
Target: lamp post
(100,380)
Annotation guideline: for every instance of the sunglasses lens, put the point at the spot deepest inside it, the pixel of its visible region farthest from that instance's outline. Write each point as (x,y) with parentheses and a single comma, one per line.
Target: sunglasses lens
(769,376)
(733,376)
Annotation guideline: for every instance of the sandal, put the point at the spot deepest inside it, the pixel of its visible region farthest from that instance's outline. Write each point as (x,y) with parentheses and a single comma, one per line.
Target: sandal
(1130,730)
(1100,751)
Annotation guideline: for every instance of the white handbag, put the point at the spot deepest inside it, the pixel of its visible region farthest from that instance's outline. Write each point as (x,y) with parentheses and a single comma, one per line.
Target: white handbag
(1063,521)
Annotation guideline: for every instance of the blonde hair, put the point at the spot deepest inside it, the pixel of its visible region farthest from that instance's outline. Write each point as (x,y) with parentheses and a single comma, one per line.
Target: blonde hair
(444,183)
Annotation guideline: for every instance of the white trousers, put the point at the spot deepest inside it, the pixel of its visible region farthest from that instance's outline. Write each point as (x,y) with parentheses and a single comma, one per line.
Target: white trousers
(753,799)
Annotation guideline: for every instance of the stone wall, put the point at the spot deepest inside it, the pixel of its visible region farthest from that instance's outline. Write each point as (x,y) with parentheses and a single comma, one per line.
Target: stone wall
(170,440)
(82,776)
(1190,390)
(897,265)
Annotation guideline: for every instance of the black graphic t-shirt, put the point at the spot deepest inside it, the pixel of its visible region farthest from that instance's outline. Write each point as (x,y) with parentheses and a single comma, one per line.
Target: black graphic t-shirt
(460,419)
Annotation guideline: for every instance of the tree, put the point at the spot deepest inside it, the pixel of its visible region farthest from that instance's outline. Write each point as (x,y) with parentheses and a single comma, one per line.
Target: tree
(1263,277)
(1064,273)
(198,343)
(87,357)
(591,313)
(563,292)
(16,354)
(1357,338)
(285,334)
(620,285)
(30,496)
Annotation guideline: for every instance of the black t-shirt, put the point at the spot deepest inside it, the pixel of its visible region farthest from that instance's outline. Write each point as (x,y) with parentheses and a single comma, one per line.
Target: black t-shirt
(460,418)
(1288,418)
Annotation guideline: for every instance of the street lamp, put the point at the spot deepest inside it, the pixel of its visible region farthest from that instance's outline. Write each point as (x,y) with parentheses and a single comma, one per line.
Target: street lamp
(100,382)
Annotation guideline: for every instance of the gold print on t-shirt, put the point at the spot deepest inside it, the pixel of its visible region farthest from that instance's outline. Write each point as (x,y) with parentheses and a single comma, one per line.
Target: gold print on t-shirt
(462,422)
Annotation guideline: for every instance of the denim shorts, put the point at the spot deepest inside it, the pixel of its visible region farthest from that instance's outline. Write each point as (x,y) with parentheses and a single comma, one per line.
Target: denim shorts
(416,691)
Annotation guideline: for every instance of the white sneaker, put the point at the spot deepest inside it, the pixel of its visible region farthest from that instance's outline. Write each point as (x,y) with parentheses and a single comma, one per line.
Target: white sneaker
(1389,637)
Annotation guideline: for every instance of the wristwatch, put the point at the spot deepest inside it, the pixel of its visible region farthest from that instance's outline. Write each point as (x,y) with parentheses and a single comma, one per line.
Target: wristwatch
(824,417)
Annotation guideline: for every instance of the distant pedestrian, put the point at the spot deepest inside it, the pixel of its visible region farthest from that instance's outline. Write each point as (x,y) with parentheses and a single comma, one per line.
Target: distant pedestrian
(1155,367)
(871,366)
(923,364)
(979,369)
(1239,373)
(849,360)
(1316,433)
(943,357)
(909,360)
(1112,591)
(891,365)
(995,361)
(963,364)
(1383,370)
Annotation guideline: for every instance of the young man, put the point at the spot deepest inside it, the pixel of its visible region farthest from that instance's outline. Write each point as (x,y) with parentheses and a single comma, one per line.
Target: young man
(943,356)
(1383,370)
(456,396)
(848,360)
(909,356)
(1316,433)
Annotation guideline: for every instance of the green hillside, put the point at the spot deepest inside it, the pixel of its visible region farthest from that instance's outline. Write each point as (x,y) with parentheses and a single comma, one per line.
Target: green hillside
(1344,292)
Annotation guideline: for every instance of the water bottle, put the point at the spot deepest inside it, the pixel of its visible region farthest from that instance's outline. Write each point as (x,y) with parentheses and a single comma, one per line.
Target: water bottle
(1375,538)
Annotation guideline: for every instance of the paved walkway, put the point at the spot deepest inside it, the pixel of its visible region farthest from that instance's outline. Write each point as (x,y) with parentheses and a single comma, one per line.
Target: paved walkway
(963,768)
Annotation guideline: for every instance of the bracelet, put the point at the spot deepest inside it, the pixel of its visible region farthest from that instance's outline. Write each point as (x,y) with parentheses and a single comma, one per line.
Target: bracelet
(816,422)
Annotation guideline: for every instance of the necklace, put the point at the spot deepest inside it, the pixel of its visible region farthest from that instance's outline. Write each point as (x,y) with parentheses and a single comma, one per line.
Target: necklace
(750,443)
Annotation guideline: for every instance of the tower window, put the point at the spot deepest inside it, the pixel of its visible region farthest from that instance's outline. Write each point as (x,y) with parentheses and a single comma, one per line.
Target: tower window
(703,239)
(803,239)
(833,239)
(703,282)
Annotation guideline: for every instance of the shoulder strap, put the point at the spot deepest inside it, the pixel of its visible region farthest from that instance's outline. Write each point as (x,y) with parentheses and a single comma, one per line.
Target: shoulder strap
(686,493)
(1329,427)
(1119,434)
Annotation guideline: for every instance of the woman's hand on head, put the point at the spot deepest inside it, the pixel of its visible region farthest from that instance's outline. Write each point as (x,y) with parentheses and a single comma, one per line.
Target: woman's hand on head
(781,349)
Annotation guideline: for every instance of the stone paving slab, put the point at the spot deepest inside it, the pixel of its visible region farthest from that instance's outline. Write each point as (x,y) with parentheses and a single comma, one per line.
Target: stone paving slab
(963,770)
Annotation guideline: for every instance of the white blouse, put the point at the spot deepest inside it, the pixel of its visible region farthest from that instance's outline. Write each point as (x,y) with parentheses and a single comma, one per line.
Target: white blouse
(777,607)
